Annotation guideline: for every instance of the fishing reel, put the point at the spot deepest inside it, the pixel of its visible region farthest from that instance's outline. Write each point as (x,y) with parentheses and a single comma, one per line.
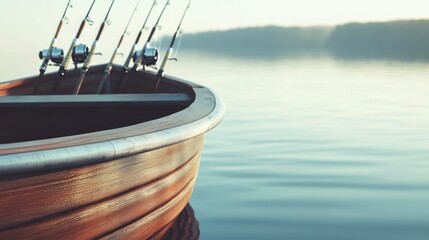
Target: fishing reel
(150,56)
(56,56)
(80,53)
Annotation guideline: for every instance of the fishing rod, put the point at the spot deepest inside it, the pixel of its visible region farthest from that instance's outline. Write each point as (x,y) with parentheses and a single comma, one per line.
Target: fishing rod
(126,65)
(66,62)
(148,56)
(168,55)
(109,66)
(88,56)
(53,54)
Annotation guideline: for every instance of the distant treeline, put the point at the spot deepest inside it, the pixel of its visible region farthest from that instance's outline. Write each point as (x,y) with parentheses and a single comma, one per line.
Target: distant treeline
(390,39)
(398,39)
(259,40)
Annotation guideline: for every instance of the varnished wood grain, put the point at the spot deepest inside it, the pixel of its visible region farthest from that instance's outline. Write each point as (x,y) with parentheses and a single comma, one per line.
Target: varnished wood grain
(99,218)
(161,233)
(145,227)
(29,198)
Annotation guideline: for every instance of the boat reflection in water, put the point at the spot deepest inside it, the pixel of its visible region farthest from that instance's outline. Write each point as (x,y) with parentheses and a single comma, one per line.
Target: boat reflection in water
(185,226)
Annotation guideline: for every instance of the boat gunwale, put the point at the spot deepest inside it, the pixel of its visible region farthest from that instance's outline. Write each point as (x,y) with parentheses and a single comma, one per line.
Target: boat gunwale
(38,155)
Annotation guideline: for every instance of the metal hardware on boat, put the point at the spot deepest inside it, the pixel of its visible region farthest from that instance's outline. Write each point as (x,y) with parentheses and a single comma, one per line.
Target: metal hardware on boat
(150,56)
(56,56)
(80,53)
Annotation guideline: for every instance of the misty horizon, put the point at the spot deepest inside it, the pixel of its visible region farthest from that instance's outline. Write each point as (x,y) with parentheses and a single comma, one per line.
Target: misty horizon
(306,26)
(403,39)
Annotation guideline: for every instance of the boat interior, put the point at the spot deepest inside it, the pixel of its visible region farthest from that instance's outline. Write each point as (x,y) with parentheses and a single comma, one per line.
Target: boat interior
(27,116)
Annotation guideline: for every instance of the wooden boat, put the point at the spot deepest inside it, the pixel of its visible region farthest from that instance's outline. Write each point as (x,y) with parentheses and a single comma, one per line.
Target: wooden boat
(109,166)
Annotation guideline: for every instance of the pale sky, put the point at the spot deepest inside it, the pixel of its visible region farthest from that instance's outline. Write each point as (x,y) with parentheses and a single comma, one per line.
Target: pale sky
(20,19)
(221,14)
(226,14)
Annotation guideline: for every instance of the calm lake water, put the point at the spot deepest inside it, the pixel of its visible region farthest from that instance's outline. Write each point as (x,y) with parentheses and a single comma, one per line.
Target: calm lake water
(314,148)
(310,148)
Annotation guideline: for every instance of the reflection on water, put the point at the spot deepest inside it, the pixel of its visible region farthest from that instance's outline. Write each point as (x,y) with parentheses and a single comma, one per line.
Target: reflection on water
(185,226)
(314,148)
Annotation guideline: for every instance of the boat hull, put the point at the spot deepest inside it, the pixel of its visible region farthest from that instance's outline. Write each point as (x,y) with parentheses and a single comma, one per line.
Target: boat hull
(128,181)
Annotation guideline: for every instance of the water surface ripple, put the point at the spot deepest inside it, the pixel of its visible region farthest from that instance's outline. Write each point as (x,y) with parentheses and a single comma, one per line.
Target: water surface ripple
(314,148)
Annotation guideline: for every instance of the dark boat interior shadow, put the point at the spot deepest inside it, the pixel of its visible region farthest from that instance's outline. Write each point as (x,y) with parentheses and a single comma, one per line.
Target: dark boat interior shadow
(45,123)
(45,116)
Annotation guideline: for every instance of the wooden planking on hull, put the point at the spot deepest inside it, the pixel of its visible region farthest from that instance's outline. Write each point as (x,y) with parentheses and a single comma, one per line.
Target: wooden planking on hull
(149,225)
(161,233)
(100,218)
(26,198)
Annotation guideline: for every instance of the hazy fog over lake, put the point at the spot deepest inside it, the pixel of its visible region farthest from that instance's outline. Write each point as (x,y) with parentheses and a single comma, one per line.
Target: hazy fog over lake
(405,39)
